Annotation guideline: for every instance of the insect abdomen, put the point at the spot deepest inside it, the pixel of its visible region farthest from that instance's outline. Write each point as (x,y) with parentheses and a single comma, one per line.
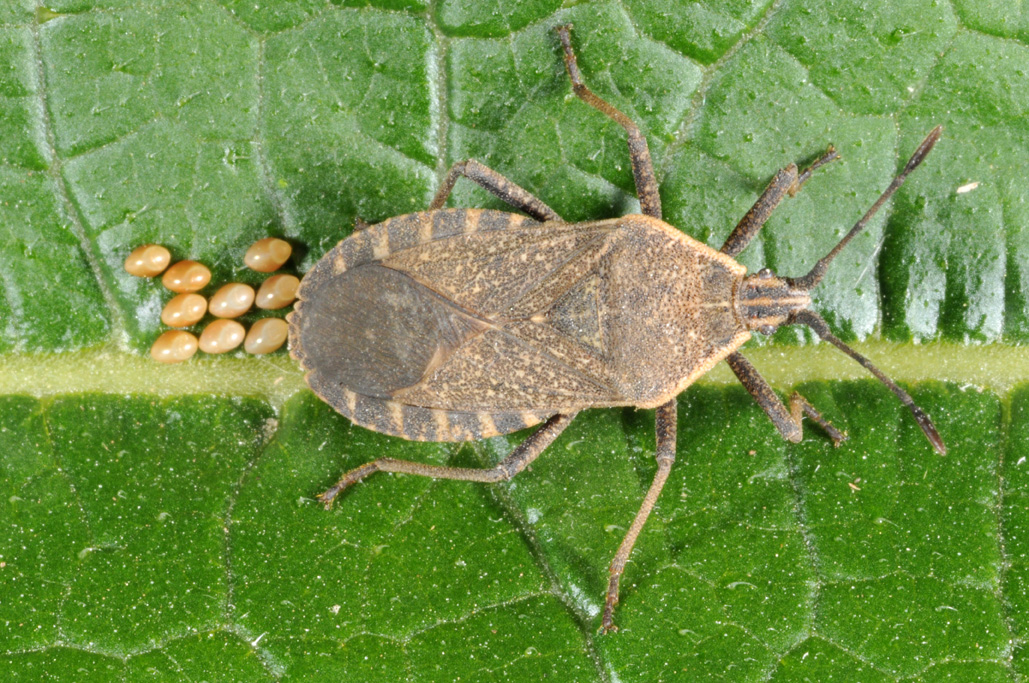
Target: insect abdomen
(372,331)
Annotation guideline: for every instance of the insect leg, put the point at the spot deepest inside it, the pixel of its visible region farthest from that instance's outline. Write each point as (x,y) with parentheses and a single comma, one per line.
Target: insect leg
(786,181)
(514,463)
(642,166)
(787,422)
(498,185)
(666,419)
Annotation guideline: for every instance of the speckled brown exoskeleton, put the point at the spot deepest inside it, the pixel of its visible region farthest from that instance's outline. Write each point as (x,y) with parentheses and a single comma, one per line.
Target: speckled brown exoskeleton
(462,324)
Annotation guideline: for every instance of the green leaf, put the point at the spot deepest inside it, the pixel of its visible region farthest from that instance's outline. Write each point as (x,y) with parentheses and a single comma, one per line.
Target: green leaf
(161,522)
(151,528)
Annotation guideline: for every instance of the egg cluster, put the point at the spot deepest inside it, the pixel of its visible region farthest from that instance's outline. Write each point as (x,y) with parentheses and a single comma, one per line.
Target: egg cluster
(187,307)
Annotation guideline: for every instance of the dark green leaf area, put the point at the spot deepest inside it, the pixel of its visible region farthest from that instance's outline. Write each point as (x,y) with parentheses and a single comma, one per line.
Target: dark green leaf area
(1006,18)
(16,12)
(726,561)
(905,543)
(815,659)
(214,656)
(529,640)
(488,20)
(272,17)
(349,130)
(110,75)
(130,498)
(951,500)
(43,530)
(398,555)
(49,298)
(413,6)
(172,538)
(981,672)
(511,107)
(367,657)
(921,614)
(22,136)
(39,250)
(871,546)
(1015,521)
(955,262)
(700,30)
(868,57)
(63,664)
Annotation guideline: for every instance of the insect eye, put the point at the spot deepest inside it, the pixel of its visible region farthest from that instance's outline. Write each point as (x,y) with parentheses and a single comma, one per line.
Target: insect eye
(766,329)
(764,273)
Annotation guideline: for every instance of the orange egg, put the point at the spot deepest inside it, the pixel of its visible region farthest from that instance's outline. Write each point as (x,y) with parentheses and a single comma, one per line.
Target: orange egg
(232,300)
(148,260)
(277,292)
(186,276)
(268,254)
(221,336)
(184,310)
(266,335)
(174,346)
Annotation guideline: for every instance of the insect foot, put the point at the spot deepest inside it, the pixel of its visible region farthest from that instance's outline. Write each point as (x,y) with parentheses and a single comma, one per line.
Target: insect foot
(456,324)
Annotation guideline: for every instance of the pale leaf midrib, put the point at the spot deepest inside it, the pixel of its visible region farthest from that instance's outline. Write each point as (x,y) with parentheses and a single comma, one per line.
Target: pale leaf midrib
(997,367)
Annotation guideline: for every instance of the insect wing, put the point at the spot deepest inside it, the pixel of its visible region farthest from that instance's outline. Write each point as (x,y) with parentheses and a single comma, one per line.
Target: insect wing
(484,321)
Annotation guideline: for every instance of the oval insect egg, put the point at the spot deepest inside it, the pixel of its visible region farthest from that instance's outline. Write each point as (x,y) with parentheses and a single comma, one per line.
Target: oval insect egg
(184,310)
(268,254)
(148,260)
(277,292)
(174,346)
(186,276)
(232,300)
(221,336)
(266,335)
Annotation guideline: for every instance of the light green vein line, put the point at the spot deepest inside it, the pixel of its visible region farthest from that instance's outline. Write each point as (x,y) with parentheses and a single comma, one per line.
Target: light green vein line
(993,366)
(118,372)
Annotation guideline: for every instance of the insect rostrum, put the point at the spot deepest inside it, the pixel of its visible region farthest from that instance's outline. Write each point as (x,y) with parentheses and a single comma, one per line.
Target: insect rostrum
(462,324)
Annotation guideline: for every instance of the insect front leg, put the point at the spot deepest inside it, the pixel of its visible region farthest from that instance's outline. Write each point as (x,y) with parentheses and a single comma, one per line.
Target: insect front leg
(666,420)
(787,422)
(498,185)
(785,182)
(639,152)
(514,463)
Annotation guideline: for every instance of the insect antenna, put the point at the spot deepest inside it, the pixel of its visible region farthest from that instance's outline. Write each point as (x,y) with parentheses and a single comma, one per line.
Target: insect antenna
(811,280)
(821,328)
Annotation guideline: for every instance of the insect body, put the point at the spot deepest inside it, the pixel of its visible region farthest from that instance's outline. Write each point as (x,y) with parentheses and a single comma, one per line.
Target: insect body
(461,324)
(453,337)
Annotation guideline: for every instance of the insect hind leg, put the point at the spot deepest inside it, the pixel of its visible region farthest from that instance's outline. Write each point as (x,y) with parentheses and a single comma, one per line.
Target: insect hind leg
(514,463)
(639,152)
(496,184)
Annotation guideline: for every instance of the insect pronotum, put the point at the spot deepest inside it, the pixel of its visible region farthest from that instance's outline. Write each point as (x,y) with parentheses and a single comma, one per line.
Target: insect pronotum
(462,324)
